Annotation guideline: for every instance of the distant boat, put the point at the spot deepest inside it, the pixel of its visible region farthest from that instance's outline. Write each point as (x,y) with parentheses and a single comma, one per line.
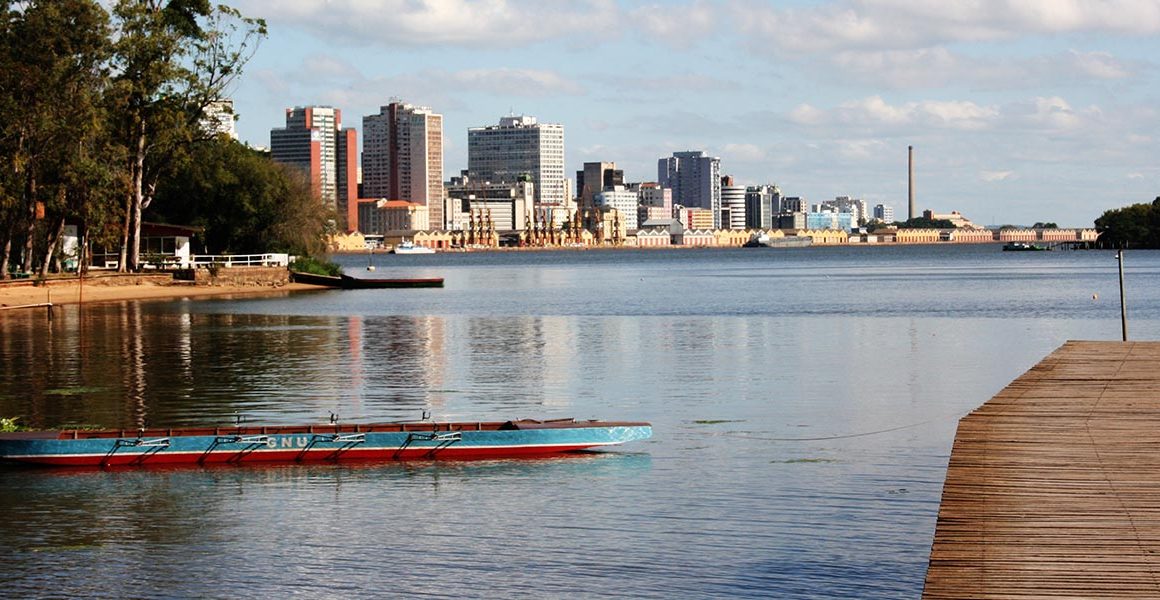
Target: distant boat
(347,282)
(244,444)
(1023,247)
(762,240)
(409,247)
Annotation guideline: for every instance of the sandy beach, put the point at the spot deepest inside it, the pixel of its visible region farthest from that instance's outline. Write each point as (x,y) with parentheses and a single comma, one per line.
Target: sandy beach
(18,294)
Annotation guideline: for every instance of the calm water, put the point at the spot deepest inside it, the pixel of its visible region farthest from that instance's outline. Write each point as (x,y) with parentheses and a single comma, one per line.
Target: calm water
(804,404)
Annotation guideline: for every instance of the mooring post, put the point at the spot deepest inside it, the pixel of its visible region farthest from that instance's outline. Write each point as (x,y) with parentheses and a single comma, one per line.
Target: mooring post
(1123,307)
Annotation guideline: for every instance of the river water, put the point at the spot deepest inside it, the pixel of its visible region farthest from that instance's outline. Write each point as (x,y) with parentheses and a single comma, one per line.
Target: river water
(803,401)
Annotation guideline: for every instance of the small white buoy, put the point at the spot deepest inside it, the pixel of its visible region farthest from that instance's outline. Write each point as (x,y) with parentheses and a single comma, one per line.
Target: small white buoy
(370,267)
(1095,297)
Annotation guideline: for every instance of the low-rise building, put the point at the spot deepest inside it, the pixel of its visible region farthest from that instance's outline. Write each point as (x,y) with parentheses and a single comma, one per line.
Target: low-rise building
(382,215)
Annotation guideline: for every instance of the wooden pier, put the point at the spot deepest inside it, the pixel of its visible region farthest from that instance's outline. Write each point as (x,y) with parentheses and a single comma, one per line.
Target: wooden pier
(1053,488)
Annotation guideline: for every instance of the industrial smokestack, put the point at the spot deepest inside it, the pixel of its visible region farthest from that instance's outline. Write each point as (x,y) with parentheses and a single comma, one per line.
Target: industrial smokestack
(910,184)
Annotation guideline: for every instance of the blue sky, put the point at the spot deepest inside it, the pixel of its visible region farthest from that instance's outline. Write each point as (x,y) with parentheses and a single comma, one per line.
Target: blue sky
(1019,110)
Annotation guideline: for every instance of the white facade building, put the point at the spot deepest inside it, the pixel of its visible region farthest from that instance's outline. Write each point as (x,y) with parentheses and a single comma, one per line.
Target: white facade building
(884,213)
(733,203)
(623,200)
(521,146)
(219,117)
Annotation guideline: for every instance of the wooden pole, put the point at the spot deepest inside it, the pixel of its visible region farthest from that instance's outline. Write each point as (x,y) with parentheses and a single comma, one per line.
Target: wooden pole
(1123,307)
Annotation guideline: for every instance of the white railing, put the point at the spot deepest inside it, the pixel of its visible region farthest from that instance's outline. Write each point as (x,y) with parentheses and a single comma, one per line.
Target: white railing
(240,260)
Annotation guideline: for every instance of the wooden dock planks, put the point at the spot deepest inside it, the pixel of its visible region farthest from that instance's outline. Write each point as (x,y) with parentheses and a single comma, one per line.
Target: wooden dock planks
(1053,487)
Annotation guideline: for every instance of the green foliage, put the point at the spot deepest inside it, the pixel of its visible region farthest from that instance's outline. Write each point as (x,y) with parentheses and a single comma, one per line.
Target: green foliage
(1047,225)
(924,223)
(98,104)
(246,202)
(307,264)
(9,424)
(1135,226)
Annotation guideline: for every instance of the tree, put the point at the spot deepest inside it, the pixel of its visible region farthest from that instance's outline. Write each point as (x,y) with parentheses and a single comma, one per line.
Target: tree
(246,202)
(1047,225)
(925,223)
(1135,226)
(172,59)
(52,75)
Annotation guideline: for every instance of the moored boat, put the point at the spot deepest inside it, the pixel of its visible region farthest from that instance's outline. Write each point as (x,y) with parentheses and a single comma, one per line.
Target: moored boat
(242,444)
(364,283)
(1023,247)
(409,247)
(347,282)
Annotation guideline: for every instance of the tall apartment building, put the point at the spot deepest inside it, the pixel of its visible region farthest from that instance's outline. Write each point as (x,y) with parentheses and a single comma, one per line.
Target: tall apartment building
(884,213)
(762,203)
(314,141)
(402,157)
(520,146)
(695,179)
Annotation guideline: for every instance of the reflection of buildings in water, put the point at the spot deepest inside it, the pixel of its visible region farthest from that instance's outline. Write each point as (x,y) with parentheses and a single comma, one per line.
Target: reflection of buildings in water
(559,357)
(523,359)
(405,361)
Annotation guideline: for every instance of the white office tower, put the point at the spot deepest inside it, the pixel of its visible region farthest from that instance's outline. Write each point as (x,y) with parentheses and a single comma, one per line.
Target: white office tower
(695,179)
(520,147)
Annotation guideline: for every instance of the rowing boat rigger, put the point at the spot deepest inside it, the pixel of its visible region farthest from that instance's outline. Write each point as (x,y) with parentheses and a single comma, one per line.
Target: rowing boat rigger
(423,440)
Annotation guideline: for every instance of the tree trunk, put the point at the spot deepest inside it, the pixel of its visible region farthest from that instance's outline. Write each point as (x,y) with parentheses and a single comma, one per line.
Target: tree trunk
(82,248)
(54,235)
(30,198)
(134,257)
(5,251)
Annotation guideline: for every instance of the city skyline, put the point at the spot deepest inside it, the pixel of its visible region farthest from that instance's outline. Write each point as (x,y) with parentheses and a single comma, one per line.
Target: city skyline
(1018,111)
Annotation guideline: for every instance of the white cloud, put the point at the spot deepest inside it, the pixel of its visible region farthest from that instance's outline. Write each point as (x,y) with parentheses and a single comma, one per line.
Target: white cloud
(675,25)
(471,23)
(938,67)
(901,24)
(743,152)
(874,112)
(1099,65)
(993,176)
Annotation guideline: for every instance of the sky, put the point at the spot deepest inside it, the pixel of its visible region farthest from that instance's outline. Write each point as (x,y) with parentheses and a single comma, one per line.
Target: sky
(1018,110)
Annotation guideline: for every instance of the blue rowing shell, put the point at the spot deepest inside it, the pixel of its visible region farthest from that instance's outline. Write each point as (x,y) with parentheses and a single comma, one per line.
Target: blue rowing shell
(311,443)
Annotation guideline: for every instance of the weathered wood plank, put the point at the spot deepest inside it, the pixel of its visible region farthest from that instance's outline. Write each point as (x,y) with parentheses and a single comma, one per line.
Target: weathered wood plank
(1053,486)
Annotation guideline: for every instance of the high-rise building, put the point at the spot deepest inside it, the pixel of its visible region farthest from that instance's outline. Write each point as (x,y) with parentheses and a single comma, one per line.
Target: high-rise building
(884,213)
(595,178)
(855,206)
(402,157)
(520,146)
(732,204)
(762,203)
(653,202)
(695,179)
(314,141)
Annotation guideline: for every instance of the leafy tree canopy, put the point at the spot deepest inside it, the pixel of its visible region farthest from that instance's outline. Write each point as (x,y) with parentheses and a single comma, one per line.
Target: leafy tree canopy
(1135,226)
(246,202)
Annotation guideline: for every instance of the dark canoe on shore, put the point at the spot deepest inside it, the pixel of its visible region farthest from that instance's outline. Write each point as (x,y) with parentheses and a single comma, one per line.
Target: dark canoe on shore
(243,444)
(347,282)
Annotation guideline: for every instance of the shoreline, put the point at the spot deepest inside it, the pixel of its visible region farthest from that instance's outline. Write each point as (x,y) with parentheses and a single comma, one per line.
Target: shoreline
(23,294)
